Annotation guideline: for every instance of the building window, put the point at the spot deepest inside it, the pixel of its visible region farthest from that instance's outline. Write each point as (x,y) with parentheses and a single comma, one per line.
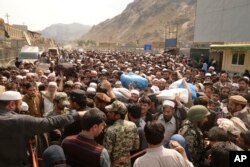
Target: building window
(238,58)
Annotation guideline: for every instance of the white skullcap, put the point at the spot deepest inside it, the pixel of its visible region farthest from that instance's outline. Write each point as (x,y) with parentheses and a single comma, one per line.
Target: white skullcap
(91,90)
(118,83)
(155,79)
(52,75)
(30,74)
(26,71)
(150,68)
(10,95)
(52,84)
(211,67)
(208,74)
(47,71)
(164,69)
(24,106)
(246,78)
(93,72)
(168,103)
(19,77)
(78,83)
(4,78)
(134,91)
(163,80)
(104,71)
(44,76)
(155,88)
(93,85)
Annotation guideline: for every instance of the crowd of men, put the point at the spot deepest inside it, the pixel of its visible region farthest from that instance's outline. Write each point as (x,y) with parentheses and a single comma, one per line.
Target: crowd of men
(77,112)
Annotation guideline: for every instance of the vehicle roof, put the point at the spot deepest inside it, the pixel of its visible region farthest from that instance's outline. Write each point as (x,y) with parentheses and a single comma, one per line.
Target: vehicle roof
(30,49)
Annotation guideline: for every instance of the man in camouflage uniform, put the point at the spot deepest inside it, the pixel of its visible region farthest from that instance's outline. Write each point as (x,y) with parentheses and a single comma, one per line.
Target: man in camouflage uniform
(121,137)
(61,104)
(60,107)
(197,116)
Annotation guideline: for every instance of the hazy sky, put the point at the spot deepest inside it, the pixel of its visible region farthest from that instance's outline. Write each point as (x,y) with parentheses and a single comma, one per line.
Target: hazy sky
(38,14)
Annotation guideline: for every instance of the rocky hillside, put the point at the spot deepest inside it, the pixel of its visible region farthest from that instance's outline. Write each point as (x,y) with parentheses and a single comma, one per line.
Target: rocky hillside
(65,32)
(146,21)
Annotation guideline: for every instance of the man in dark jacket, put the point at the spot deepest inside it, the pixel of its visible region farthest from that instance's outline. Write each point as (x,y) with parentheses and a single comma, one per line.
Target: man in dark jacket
(16,129)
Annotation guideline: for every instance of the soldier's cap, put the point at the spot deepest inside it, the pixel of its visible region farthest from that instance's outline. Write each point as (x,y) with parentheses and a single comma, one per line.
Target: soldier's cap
(77,95)
(62,98)
(103,97)
(117,107)
(197,112)
(238,99)
(10,96)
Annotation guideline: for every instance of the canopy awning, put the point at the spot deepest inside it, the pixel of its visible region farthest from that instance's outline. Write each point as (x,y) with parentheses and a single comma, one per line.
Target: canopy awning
(230,47)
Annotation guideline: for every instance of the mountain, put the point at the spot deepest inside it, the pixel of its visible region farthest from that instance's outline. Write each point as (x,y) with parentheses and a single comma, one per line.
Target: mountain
(65,32)
(146,21)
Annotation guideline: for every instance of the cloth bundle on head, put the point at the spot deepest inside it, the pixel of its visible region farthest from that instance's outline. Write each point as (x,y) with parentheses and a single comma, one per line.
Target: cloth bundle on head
(171,94)
(239,124)
(180,84)
(132,78)
(228,126)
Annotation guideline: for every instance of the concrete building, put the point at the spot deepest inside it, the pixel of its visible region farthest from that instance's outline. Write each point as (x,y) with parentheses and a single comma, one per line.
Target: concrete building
(226,22)
(14,37)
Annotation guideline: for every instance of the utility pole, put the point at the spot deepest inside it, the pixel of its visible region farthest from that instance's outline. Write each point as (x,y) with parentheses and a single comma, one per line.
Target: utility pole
(7,17)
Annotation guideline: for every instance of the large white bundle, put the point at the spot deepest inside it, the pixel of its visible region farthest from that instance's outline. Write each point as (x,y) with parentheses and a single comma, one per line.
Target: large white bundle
(121,93)
(170,94)
(175,84)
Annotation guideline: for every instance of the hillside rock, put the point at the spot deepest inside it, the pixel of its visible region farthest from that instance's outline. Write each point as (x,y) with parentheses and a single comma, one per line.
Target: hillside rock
(147,21)
(65,32)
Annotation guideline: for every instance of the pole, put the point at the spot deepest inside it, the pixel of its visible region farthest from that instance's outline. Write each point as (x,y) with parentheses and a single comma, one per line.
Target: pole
(7,17)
